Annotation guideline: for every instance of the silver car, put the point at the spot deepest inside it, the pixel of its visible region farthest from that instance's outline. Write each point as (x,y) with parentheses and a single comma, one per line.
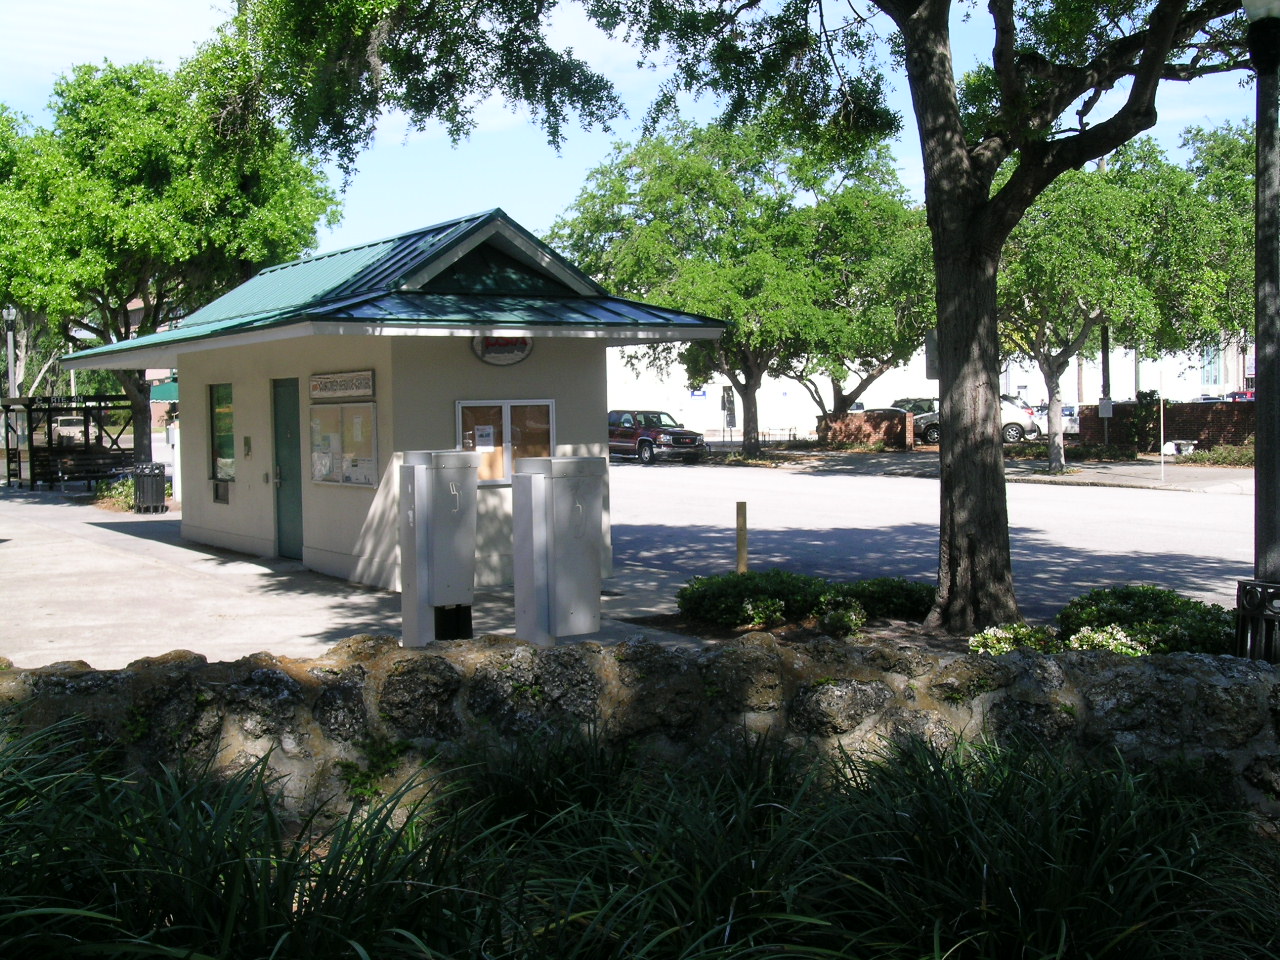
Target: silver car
(1019,420)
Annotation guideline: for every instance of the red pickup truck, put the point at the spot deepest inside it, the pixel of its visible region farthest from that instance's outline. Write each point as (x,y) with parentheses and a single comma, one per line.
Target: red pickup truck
(651,435)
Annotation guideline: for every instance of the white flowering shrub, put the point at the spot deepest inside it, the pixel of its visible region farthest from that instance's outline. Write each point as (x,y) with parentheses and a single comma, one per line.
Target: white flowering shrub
(1111,637)
(1013,636)
(1043,639)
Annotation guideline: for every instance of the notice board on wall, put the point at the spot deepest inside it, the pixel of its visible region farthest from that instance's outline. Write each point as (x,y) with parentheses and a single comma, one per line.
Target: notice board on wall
(344,443)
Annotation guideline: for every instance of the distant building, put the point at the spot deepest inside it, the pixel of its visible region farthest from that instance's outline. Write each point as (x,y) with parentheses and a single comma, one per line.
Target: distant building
(787,410)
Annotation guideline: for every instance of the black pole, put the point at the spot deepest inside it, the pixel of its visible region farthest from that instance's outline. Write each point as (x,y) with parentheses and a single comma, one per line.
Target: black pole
(1264,47)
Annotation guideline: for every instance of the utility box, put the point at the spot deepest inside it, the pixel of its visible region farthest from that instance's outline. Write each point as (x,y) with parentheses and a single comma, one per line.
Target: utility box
(557,511)
(437,544)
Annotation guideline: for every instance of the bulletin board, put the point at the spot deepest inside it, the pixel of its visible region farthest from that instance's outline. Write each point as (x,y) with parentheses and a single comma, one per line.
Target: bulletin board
(344,443)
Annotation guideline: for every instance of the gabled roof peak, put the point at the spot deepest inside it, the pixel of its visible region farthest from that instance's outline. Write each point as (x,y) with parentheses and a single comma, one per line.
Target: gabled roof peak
(400,263)
(435,229)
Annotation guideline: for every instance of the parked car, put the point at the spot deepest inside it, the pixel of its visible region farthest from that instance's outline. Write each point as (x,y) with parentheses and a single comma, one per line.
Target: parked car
(917,405)
(1019,420)
(68,431)
(1070,418)
(1238,395)
(651,435)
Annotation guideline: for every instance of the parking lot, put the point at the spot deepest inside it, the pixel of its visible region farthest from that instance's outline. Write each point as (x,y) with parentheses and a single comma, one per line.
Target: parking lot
(82,583)
(1186,528)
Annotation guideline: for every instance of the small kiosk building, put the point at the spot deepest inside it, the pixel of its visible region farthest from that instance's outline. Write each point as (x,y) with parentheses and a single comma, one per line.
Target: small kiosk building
(300,389)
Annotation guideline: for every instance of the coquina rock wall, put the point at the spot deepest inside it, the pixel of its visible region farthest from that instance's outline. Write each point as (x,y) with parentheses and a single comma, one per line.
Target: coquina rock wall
(317,720)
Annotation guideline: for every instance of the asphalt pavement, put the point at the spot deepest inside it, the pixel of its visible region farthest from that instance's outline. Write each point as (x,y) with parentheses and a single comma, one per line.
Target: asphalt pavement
(83,583)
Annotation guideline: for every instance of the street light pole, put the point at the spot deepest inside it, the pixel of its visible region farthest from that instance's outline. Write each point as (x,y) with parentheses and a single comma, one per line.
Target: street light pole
(1258,601)
(10,314)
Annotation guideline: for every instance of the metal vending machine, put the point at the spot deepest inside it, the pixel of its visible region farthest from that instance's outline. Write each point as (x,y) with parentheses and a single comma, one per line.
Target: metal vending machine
(437,544)
(557,513)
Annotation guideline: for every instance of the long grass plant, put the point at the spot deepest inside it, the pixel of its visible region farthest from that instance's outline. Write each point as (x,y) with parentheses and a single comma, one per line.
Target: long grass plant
(751,851)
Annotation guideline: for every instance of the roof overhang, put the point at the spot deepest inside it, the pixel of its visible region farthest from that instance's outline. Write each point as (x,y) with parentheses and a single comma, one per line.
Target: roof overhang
(163,352)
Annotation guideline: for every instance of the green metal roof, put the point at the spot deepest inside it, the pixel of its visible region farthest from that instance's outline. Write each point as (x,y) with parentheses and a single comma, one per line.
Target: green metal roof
(165,392)
(389,285)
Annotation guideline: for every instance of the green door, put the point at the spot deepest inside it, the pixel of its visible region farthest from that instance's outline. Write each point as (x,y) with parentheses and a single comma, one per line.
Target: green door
(287,474)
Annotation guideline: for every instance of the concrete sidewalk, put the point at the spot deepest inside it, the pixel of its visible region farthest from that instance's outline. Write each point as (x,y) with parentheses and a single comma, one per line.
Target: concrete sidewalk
(83,583)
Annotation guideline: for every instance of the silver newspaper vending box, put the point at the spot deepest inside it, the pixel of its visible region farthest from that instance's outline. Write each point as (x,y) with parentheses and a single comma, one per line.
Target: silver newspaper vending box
(557,513)
(437,544)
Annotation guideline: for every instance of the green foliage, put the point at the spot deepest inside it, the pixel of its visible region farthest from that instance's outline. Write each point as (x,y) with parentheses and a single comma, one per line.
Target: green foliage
(132,209)
(839,613)
(893,598)
(769,597)
(1141,428)
(1161,620)
(1223,455)
(738,599)
(1016,636)
(562,846)
(121,494)
(814,266)
(1078,452)
(1039,638)
(381,757)
(1132,620)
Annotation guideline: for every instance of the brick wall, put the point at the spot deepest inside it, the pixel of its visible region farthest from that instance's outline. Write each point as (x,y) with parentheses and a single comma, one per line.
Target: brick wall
(893,428)
(1207,424)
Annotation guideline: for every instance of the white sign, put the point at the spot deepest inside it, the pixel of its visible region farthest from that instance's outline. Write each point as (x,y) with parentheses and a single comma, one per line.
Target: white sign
(331,386)
(502,351)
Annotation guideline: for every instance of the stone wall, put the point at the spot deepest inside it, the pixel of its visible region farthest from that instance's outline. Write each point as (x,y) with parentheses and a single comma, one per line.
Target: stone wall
(312,718)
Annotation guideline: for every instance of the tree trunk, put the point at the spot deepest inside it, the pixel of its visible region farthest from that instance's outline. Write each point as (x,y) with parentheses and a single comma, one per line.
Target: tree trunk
(1053,384)
(975,573)
(747,390)
(138,389)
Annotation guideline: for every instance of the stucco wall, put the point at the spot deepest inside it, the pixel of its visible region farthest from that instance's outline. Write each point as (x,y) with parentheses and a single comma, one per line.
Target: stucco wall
(350,531)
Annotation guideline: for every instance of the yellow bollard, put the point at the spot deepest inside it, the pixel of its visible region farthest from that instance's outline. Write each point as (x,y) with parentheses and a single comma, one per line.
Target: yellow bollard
(742,536)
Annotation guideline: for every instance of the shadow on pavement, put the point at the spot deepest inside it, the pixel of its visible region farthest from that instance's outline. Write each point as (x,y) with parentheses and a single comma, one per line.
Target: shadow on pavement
(1046,576)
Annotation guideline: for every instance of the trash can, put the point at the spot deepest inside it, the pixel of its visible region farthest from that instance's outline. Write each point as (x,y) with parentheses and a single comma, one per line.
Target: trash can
(148,488)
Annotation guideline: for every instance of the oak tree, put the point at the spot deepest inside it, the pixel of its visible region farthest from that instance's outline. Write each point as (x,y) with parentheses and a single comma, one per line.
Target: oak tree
(737,225)
(1067,81)
(130,210)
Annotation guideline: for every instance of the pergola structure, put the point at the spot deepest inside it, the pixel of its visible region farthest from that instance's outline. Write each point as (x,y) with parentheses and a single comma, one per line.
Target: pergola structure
(52,440)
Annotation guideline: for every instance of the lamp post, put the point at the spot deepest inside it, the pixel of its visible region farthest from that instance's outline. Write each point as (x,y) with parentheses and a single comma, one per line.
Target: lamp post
(1258,601)
(10,314)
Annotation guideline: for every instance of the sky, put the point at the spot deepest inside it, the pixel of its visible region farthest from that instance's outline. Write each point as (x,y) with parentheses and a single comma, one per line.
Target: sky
(411,180)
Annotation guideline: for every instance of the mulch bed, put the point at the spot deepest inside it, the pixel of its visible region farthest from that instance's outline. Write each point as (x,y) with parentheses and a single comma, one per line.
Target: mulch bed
(876,631)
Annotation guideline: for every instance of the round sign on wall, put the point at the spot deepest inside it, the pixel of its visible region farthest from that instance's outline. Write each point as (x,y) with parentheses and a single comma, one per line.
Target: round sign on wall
(502,351)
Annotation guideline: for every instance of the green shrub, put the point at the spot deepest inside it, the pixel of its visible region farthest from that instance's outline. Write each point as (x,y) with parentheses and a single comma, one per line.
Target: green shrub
(1076,452)
(122,493)
(893,598)
(755,598)
(1016,636)
(839,612)
(1224,455)
(1044,639)
(1157,619)
(769,597)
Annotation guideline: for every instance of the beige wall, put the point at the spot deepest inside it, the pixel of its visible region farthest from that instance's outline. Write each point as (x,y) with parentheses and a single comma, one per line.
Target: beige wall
(352,531)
